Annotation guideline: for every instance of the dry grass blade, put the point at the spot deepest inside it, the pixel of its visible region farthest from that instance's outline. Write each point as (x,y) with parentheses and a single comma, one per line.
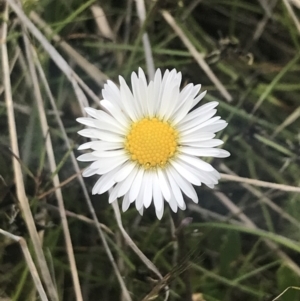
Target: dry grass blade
(57,58)
(30,263)
(21,195)
(99,77)
(262,24)
(287,289)
(131,244)
(265,5)
(265,200)
(79,217)
(210,215)
(292,14)
(62,184)
(53,167)
(259,183)
(141,10)
(102,23)
(197,56)
(289,120)
(134,247)
(295,2)
(192,5)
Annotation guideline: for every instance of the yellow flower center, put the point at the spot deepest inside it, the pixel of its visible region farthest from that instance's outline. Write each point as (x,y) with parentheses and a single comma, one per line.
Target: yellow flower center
(151,142)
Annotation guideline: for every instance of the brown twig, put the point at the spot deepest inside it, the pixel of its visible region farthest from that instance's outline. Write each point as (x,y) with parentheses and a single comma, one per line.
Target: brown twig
(62,184)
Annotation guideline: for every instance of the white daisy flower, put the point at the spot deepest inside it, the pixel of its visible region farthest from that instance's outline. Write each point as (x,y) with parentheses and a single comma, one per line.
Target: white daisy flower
(147,142)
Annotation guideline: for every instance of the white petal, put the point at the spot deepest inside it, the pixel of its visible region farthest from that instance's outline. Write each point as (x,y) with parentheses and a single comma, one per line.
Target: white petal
(104,183)
(100,134)
(157,195)
(198,98)
(128,100)
(182,111)
(136,186)
(205,152)
(216,127)
(196,121)
(89,172)
(101,120)
(184,94)
(125,203)
(169,95)
(202,126)
(183,207)
(105,165)
(142,91)
(124,171)
(186,173)
(178,79)
(150,99)
(103,125)
(196,162)
(175,189)
(116,112)
(139,200)
(206,177)
(186,106)
(87,157)
(207,143)
(156,90)
(141,211)
(123,187)
(88,133)
(184,185)
(112,93)
(138,100)
(187,93)
(173,100)
(86,145)
(109,154)
(195,137)
(200,111)
(160,91)
(164,185)
(106,146)
(142,76)
(173,203)
(148,191)
(113,195)
(159,213)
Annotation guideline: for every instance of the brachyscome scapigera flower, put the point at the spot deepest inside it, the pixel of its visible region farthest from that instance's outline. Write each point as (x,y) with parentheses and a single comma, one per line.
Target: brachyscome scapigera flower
(148,140)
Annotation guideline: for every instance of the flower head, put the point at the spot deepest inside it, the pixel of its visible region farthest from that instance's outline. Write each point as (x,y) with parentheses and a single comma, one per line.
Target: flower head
(148,140)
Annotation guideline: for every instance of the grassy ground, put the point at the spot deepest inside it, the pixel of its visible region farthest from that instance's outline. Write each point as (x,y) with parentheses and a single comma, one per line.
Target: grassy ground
(243,242)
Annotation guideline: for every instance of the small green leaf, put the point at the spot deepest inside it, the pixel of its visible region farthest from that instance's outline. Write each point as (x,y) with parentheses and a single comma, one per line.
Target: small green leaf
(285,278)
(230,251)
